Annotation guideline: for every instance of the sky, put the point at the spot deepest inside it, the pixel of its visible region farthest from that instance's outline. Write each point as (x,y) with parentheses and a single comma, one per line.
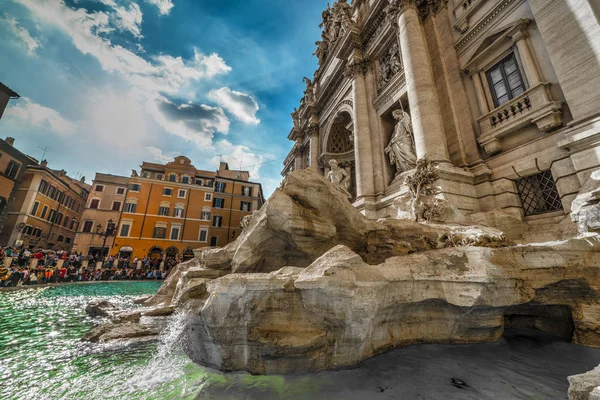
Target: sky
(108,84)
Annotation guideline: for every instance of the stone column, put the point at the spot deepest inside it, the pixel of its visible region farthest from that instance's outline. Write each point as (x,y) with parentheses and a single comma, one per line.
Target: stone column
(298,155)
(362,141)
(532,71)
(481,99)
(424,105)
(379,162)
(314,147)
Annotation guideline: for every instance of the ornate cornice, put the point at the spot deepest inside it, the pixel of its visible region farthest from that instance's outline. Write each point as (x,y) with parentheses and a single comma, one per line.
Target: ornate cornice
(313,130)
(355,68)
(424,8)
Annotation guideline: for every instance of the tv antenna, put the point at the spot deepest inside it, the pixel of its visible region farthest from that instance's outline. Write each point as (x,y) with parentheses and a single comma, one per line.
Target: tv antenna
(45,148)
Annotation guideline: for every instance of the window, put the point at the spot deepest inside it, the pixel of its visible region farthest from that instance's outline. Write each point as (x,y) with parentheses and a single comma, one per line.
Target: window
(87,226)
(99,188)
(59,217)
(205,216)
(175,232)
(245,206)
(73,222)
(538,194)
(44,211)
(199,182)
(135,187)
(130,207)
(60,238)
(164,211)
(12,169)
(217,221)
(61,197)
(246,191)
(145,175)
(185,179)
(52,215)
(43,187)
(66,222)
(37,232)
(207,196)
(51,191)
(116,206)
(68,240)
(120,190)
(172,178)
(505,80)
(34,210)
(95,203)
(219,203)
(220,187)
(203,236)
(213,241)
(72,204)
(160,177)
(160,232)
(178,212)
(167,192)
(181,193)
(28,230)
(125,228)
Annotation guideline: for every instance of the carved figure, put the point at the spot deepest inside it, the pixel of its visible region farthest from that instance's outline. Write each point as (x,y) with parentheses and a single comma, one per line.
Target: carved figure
(322,50)
(389,65)
(424,207)
(309,94)
(401,149)
(296,117)
(246,220)
(339,178)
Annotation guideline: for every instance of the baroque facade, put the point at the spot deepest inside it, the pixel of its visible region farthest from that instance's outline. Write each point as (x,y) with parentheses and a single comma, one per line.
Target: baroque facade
(501,94)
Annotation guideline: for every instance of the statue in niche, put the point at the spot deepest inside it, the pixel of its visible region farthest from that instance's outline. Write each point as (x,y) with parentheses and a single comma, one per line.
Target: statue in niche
(339,178)
(401,148)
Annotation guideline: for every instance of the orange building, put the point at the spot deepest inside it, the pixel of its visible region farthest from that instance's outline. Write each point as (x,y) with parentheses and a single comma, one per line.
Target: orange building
(45,210)
(171,209)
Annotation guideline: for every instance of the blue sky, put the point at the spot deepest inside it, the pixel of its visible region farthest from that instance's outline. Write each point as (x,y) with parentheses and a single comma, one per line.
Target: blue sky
(111,83)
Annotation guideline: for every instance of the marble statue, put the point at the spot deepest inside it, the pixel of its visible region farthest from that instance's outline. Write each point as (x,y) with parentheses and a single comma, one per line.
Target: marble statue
(401,149)
(309,94)
(389,65)
(339,178)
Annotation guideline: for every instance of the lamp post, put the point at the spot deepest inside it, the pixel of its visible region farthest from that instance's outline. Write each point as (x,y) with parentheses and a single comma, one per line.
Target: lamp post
(110,231)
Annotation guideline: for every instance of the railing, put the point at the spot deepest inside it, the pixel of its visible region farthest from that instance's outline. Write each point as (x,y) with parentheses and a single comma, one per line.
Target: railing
(511,111)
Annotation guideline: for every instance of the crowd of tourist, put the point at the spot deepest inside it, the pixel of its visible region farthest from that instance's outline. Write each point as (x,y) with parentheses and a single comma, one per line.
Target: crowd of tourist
(25,270)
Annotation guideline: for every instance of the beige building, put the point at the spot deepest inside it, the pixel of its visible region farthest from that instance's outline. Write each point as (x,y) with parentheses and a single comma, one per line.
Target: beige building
(104,205)
(503,94)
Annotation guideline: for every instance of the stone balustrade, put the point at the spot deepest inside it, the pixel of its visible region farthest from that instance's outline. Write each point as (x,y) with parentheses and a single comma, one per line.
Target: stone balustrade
(534,106)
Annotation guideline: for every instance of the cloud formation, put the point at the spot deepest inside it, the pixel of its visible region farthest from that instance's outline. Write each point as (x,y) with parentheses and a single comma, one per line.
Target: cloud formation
(242,105)
(27,112)
(158,155)
(21,34)
(164,6)
(238,157)
(130,19)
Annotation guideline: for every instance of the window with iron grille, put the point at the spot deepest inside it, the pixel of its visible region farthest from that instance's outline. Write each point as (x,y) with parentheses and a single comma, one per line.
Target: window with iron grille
(538,194)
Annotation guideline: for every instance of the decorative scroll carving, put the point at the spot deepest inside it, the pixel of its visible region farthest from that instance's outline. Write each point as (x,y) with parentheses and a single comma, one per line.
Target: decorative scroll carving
(389,65)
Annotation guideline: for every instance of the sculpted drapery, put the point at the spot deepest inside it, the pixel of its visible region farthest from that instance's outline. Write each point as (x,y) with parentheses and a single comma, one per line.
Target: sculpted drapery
(401,148)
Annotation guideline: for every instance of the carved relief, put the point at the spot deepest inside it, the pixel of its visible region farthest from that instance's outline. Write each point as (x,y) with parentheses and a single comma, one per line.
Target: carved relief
(389,65)
(337,21)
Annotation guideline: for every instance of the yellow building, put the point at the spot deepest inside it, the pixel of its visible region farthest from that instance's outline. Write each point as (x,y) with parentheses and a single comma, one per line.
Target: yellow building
(45,210)
(171,209)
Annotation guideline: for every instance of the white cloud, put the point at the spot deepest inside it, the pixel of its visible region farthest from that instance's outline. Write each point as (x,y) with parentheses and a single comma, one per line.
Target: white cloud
(158,155)
(164,6)
(242,105)
(130,19)
(21,34)
(238,157)
(29,113)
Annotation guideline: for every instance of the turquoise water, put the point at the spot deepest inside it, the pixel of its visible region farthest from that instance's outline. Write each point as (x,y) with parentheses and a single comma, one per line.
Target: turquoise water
(42,357)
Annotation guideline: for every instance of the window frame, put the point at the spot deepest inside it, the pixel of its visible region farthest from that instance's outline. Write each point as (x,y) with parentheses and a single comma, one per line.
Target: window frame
(242,206)
(125,210)
(133,186)
(165,211)
(11,172)
(179,193)
(91,226)
(99,188)
(44,212)
(127,224)
(173,228)
(35,208)
(167,195)
(92,202)
(208,196)
(120,189)
(220,219)
(500,66)
(205,231)
(120,203)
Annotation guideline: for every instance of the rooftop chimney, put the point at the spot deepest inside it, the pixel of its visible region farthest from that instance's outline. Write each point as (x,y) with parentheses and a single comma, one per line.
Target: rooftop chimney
(82,180)
(44,163)
(10,141)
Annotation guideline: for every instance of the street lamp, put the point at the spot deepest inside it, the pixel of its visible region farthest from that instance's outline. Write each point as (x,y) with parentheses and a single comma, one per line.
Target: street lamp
(109,232)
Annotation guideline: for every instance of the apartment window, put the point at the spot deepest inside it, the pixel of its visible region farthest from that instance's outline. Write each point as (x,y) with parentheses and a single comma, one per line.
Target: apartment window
(51,191)
(199,182)
(99,188)
(219,202)
(160,177)
(28,230)
(217,221)
(145,175)
(87,226)
(125,229)
(247,191)
(167,192)
(43,187)
(175,232)
(185,179)
(37,232)
(505,80)
(135,187)
(205,216)
(245,206)
(61,197)
(59,217)
(160,232)
(60,238)
(203,236)
(178,212)
(130,207)
(164,211)
(44,211)
(94,204)
(73,222)
(72,204)
(52,215)
(220,187)
(181,193)
(214,240)
(120,190)
(538,194)
(12,169)
(34,210)
(116,206)
(68,240)
(172,178)
(207,196)
(66,222)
